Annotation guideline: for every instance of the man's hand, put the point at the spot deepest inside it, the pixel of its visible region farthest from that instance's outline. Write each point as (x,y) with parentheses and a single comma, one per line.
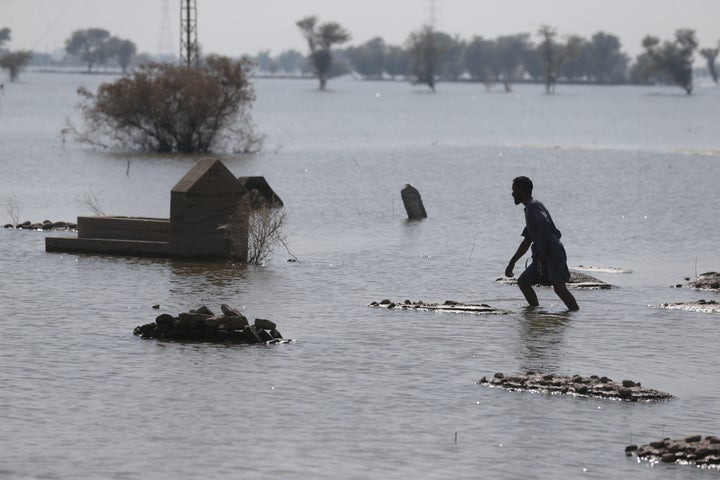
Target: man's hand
(509,269)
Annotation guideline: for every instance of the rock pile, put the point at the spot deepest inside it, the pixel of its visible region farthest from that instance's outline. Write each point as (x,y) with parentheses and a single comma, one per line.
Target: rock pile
(45,225)
(693,450)
(705,281)
(577,280)
(203,325)
(448,306)
(708,306)
(593,386)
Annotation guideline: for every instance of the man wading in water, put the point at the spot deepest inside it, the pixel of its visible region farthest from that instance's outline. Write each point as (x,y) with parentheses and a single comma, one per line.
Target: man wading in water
(549,262)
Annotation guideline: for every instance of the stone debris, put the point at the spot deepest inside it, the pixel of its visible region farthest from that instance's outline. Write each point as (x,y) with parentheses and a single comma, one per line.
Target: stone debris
(692,450)
(451,306)
(577,385)
(705,306)
(202,324)
(577,280)
(709,281)
(589,268)
(45,225)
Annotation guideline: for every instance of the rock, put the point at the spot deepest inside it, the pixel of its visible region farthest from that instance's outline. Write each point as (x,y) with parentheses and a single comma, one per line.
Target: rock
(229,311)
(156,306)
(451,306)
(199,325)
(249,335)
(266,324)
(264,335)
(236,322)
(413,202)
(204,310)
(165,321)
(693,450)
(575,385)
(628,383)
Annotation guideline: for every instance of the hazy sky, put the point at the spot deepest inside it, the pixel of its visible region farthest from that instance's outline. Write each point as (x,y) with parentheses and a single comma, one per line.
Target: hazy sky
(234,27)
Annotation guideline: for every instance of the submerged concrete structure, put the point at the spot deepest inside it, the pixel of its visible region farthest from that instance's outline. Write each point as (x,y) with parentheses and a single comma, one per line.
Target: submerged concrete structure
(201,203)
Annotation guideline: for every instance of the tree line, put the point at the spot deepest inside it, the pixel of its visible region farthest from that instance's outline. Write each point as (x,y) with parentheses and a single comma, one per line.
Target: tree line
(429,56)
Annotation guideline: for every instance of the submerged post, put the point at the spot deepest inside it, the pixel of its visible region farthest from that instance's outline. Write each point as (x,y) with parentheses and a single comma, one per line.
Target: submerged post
(413,202)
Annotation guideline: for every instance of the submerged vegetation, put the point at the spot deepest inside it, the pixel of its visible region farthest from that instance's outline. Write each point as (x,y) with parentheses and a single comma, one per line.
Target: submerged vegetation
(174,108)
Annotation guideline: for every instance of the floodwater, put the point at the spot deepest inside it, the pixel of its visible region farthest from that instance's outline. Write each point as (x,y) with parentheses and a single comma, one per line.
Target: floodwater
(630,175)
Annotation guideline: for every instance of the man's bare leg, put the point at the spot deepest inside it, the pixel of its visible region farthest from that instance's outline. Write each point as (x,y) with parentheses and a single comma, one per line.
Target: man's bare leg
(565,295)
(529,293)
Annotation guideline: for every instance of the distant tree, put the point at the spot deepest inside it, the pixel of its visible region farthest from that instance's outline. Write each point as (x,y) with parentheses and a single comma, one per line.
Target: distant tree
(397,61)
(168,108)
(710,55)
(291,61)
(510,52)
(554,54)
(673,59)
(480,59)
(262,60)
(607,62)
(4,36)
(425,56)
(577,68)
(320,40)
(120,50)
(89,45)
(368,59)
(452,51)
(14,62)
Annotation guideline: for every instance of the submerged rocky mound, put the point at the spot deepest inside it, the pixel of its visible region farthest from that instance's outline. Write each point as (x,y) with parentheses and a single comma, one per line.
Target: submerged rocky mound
(203,325)
(706,306)
(449,306)
(693,450)
(45,225)
(593,386)
(709,281)
(577,280)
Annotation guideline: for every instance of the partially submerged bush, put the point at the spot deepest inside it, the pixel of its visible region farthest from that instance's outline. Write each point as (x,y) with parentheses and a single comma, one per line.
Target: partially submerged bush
(259,222)
(174,108)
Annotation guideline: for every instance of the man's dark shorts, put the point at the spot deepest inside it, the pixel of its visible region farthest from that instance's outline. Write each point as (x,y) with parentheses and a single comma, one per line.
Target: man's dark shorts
(554,269)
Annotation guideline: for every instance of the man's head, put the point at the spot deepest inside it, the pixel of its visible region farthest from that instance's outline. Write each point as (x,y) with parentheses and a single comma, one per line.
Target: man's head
(522,188)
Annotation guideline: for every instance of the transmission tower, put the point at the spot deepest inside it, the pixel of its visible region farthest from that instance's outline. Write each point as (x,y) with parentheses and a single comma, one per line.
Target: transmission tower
(432,19)
(165,36)
(189,54)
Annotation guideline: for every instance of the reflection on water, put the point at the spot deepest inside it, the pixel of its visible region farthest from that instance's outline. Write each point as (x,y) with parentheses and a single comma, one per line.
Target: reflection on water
(541,339)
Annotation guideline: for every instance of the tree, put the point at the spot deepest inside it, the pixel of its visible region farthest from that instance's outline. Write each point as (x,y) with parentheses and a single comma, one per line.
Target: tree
(397,61)
(14,62)
(4,36)
(452,51)
(89,45)
(291,61)
(510,51)
(607,62)
(368,59)
(320,40)
(673,59)
(554,54)
(167,108)
(121,50)
(480,59)
(710,55)
(425,56)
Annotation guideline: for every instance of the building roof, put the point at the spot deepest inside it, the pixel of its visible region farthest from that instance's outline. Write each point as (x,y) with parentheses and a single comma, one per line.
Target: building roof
(208,175)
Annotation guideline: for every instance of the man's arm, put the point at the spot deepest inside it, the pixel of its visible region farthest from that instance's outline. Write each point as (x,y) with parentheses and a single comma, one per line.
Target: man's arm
(522,249)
